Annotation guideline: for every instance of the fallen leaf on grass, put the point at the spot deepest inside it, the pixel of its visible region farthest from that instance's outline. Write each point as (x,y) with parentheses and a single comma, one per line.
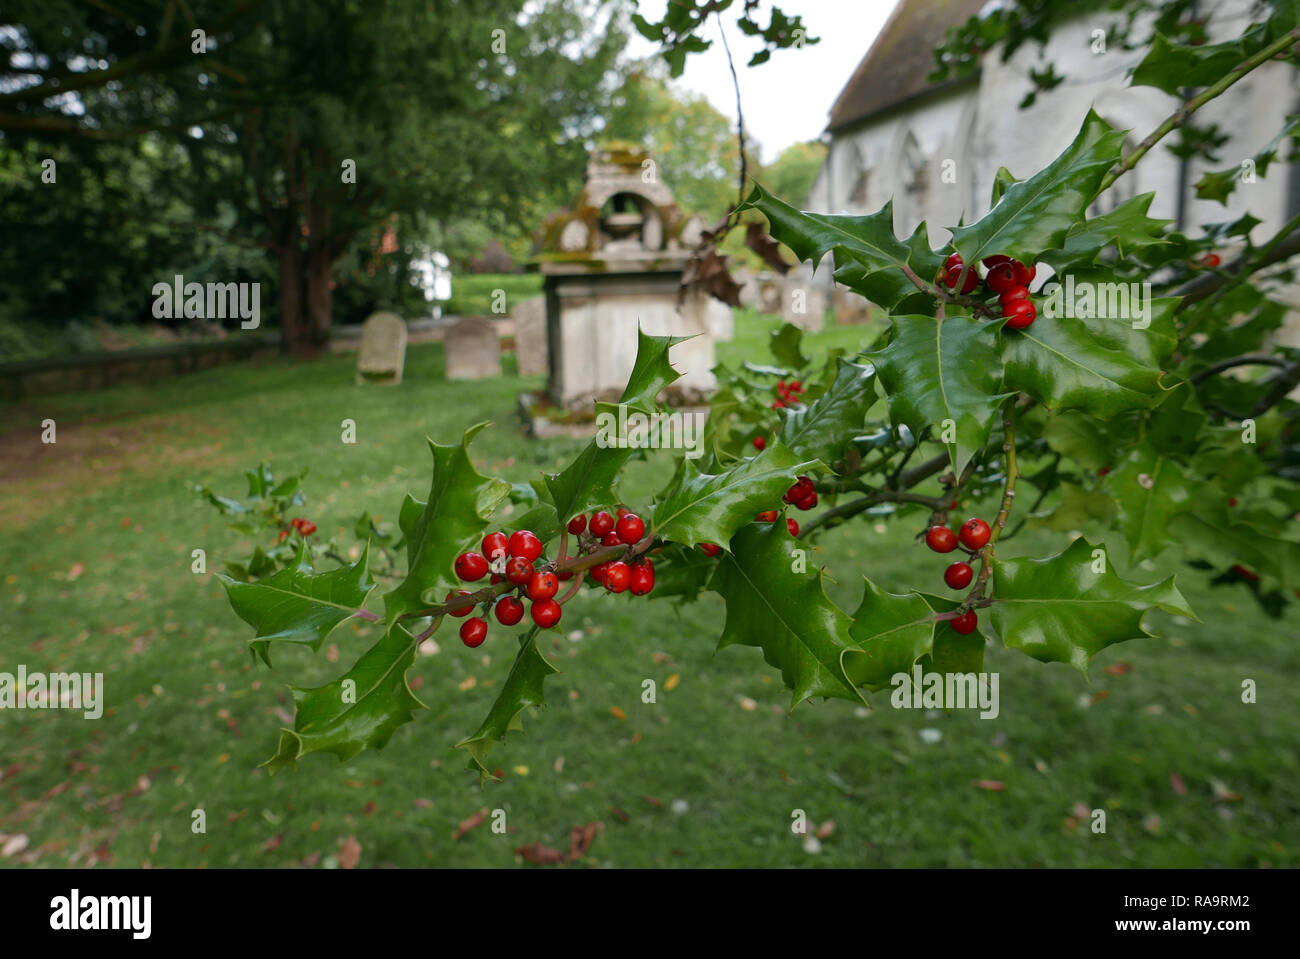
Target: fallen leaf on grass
(349,853)
(1121,668)
(671,682)
(992,785)
(617,713)
(618,814)
(825,829)
(472,822)
(1176,781)
(272,844)
(540,855)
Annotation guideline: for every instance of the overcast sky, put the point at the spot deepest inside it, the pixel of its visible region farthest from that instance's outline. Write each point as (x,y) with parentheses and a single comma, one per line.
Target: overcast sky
(788,98)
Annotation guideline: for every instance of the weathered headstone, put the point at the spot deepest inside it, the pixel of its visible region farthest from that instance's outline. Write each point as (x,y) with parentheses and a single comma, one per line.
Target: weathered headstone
(473,350)
(769,290)
(529,317)
(383,349)
(850,308)
(744,278)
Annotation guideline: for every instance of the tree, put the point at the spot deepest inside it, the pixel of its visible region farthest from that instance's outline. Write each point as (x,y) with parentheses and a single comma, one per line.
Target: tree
(308,126)
(794,170)
(1122,424)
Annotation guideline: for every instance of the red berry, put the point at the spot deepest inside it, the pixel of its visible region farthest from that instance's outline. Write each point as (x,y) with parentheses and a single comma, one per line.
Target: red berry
(631,528)
(610,539)
(296,522)
(954,261)
(601,523)
(793,527)
(621,512)
(1011,295)
(473,632)
(307,528)
(796,386)
(546,613)
(1002,277)
(941,539)
(767,516)
(642,580)
(496,546)
(991,261)
(543,585)
(565,577)
(965,623)
(463,610)
(1232,501)
(598,572)
(954,274)
(760,444)
(617,576)
(710,549)
(807,501)
(524,543)
(1024,275)
(958,575)
(284,534)
(1019,313)
(494,579)
(778,405)
(509,610)
(781,387)
(578,524)
(519,570)
(1211,260)
(471,567)
(975,533)
(1103,471)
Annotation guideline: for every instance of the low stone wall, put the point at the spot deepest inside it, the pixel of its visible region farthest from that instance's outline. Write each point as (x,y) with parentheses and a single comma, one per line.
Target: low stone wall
(92,371)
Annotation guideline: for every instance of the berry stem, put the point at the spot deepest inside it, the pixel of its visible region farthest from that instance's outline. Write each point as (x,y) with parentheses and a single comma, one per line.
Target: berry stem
(367,615)
(1008,497)
(437,621)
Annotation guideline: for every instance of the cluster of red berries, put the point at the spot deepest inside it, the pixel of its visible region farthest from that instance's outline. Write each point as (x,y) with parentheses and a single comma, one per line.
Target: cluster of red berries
(802,495)
(625,528)
(516,556)
(1006,277)
(787,393)
(974,536)
(304,526)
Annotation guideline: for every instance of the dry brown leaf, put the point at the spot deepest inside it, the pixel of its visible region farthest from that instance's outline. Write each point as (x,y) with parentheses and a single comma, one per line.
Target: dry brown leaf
(349,853)
(473,822)
(992,785)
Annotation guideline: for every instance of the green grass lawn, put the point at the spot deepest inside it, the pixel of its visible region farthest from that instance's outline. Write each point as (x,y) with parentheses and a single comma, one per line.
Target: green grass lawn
(97,530)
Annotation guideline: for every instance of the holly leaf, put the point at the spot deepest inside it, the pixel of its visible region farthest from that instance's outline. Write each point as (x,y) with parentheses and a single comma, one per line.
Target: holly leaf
(359,710)
(865,246)
(1171,66)
(1127,228)
(938,371)
(298,605)
(1079,509)
(788,616)
(522,688)
(1100,366)
(589,480)
(651,372)
(1150,490)
(890,632)
(1211,532)
(784,344)
(820,431)
(1063,610)
(461,500)
(710,508)
(1036,214)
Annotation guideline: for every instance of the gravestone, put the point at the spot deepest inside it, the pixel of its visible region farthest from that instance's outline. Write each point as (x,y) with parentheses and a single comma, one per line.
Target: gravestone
(529,317)
(473,350)
(769,290)
(850,308)
(803,301)
(383,349)
(613,265)
(745,279)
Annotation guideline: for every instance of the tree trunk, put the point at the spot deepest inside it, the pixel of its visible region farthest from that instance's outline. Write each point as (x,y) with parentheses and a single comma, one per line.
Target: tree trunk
(320,298)
(295,337)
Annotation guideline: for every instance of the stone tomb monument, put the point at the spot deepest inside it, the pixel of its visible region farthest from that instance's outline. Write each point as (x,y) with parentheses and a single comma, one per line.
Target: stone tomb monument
(473,350)
(613,263)
(383,349)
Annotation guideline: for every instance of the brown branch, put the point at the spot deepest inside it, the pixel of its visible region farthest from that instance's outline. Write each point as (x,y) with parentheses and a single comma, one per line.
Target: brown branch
(1008,498)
